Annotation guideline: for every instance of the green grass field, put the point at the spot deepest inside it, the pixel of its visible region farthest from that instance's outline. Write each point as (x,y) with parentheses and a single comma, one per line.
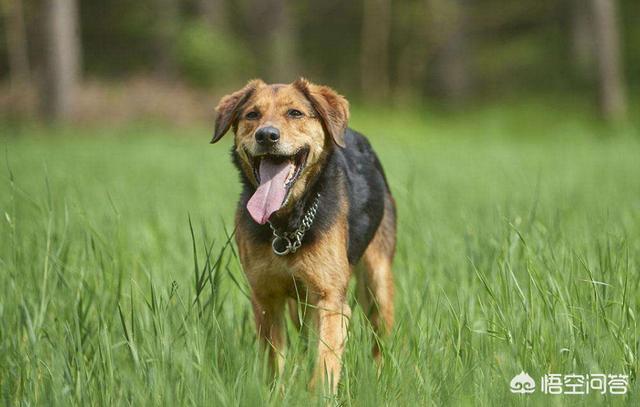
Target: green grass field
(519,249)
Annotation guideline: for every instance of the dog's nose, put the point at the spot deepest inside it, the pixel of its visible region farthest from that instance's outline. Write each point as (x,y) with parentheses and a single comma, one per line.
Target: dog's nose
(267,135)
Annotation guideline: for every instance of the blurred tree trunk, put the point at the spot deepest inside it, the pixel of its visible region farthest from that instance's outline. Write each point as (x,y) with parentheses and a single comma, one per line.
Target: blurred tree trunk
(412,56)
(17,47)
(451,64)
(273,39)
(374,63)
(410,70)
(581,41)
(62,58)
(214,13)
(611,86)
(166,33)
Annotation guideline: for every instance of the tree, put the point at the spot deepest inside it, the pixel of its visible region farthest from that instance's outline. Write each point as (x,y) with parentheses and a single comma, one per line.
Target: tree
(451,62)
(374,62)
(273,39)
(214,13)
(61,59)
(166,34)
(17,48)
(581,38)
(612,98)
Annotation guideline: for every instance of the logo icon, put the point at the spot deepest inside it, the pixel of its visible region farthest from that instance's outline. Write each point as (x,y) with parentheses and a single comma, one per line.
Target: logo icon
(522,383)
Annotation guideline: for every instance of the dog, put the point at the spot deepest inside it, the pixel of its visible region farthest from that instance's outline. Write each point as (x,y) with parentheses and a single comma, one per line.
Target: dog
(315,207)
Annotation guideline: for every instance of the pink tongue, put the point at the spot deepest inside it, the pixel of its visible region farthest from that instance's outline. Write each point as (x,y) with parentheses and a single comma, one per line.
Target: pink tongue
(269,196)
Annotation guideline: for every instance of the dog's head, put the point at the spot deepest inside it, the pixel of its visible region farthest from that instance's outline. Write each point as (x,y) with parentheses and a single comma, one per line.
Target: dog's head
(283,134)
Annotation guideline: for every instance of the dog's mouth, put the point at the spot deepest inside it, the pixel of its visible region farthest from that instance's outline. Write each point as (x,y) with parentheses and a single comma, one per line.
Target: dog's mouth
(276,174)
(294,162)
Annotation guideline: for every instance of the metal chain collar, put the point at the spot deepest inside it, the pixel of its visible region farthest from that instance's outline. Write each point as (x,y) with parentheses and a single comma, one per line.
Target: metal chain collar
(288,242)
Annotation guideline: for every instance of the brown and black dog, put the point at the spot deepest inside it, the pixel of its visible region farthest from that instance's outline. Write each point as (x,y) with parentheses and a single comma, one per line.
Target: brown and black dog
(315,206)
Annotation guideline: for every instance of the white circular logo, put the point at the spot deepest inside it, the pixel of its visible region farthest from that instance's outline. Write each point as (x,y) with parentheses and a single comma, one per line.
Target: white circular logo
(522,383)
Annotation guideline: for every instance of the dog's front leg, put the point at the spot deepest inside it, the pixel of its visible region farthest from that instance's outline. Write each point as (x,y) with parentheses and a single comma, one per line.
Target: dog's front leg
(268,314)
(333,315)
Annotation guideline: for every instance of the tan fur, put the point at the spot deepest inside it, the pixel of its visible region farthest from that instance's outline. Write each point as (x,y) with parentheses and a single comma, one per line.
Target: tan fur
(319,272)
(323,108)
(333,108)
(324,271)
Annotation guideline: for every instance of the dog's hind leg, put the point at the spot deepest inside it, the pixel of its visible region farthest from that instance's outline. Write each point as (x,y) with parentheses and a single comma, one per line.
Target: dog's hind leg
(375,278)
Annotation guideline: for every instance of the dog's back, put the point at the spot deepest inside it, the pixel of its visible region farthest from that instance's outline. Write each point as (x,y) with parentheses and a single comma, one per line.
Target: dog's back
(367,192)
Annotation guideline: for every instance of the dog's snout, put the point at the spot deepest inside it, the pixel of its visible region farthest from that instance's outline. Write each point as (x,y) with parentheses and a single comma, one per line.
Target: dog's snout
(267,135)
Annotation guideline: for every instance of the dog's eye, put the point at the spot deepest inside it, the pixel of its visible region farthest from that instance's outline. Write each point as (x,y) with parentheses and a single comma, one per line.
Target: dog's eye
(294,113)
(252,115)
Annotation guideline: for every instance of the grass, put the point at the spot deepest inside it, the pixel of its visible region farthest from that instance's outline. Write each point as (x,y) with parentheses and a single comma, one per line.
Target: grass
(519,249)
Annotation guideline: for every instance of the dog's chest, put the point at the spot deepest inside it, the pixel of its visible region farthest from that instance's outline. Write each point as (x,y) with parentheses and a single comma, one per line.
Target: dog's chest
(291,274)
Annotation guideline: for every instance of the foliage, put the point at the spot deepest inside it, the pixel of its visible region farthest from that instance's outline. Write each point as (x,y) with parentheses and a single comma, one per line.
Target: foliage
(211,58)
(517,44)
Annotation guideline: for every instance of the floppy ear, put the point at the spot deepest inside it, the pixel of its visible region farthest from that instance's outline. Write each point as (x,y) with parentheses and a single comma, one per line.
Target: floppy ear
(229,107)
(332,108)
